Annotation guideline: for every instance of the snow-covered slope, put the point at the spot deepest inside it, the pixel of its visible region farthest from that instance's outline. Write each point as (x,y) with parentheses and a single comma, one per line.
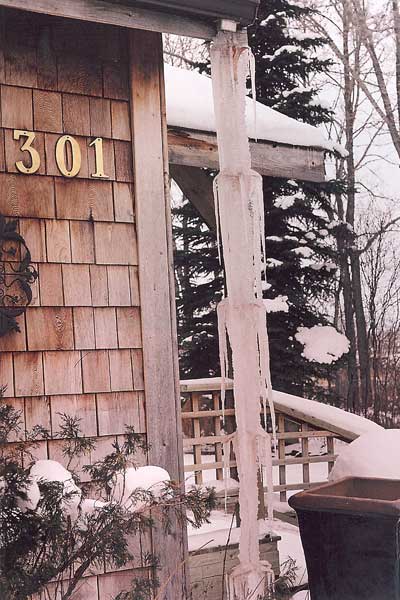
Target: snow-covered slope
(190,105)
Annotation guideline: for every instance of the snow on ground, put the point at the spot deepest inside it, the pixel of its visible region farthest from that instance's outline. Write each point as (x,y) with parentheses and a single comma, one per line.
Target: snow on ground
(290,547)
(220,530)
(322,343)
(303,595)
(294,474)
(216,533)
(190,105)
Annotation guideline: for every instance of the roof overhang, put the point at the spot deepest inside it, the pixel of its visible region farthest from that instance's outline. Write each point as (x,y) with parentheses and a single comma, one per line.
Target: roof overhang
(191,152)
(125,13)
(200,149)
(240,11)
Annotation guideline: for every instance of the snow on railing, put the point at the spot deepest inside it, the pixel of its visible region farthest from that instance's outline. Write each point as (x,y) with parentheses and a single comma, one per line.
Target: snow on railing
(308,435)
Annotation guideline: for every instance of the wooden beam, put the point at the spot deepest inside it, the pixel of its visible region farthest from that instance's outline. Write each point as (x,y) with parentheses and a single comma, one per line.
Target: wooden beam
(197,187)
(195,149)
(159,336)
(114,13)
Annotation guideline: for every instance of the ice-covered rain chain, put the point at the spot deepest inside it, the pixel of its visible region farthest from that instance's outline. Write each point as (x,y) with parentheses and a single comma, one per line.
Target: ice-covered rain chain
(242,314)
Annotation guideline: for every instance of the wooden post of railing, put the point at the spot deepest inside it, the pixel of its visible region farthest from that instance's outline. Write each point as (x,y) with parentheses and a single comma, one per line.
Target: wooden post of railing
(305,454)
(281,456)
(198,475)
(217,431)
(330,448)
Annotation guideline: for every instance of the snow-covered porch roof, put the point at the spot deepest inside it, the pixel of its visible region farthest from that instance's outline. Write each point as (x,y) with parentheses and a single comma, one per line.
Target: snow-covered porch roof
(284,147)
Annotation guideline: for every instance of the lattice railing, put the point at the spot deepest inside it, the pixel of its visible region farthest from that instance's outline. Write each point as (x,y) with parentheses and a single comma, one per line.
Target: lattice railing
(300,444)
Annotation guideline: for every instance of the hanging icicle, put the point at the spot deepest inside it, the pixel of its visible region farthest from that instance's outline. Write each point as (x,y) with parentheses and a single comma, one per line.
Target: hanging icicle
(242,314)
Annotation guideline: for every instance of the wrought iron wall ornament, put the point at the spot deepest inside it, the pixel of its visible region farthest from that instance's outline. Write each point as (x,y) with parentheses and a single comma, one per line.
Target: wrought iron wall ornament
(17,274)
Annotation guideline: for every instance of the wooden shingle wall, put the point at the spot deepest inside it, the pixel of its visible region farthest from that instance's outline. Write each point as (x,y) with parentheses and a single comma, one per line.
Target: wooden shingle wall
(80,350)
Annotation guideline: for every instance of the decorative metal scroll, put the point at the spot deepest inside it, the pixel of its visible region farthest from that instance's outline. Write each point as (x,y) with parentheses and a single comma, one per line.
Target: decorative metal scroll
(17,274)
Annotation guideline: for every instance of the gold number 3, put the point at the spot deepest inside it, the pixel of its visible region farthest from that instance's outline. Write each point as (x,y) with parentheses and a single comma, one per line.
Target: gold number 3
(27,147)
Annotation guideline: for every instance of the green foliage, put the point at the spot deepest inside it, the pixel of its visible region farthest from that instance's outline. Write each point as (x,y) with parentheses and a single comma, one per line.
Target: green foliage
(298,214)
(286,582)
(199,285)
(51,546)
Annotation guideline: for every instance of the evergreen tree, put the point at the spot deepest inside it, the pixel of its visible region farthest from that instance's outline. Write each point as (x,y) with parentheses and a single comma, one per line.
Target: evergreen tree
(300,265)
(55,529)
(199,285)
(298,214)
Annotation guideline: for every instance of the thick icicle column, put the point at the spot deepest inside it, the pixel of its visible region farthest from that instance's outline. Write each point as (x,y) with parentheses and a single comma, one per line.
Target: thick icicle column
(242,314)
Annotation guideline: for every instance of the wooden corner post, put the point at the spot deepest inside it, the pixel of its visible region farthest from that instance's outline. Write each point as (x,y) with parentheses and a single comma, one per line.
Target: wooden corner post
(163,420)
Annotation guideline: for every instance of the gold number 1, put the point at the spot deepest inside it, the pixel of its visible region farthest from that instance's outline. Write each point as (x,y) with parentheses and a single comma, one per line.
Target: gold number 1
(99,159)
(27,147)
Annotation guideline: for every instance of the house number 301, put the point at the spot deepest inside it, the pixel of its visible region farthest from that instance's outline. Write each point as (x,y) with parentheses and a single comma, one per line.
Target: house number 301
(68,155)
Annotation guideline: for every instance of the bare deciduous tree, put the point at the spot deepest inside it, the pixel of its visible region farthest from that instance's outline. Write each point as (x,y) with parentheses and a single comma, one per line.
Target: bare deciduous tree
(361,40)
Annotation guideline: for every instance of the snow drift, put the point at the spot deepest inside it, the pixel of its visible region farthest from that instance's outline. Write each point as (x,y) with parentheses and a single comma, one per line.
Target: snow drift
(374,454)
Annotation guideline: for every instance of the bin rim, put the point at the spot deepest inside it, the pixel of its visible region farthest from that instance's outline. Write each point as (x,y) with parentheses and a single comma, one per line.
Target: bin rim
(318,499)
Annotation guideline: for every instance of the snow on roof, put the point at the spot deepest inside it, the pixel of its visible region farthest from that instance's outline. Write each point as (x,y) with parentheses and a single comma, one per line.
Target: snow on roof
(190,105)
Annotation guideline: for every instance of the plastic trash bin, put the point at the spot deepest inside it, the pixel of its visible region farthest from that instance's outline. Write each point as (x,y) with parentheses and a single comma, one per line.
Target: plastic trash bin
(350,535)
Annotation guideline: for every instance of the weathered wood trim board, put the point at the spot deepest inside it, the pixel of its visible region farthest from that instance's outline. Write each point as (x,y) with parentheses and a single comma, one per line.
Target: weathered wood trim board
(116,13)
(199,149)
(159,343)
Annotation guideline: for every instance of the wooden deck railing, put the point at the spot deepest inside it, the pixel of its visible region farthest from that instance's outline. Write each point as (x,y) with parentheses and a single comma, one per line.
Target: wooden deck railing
(205,432)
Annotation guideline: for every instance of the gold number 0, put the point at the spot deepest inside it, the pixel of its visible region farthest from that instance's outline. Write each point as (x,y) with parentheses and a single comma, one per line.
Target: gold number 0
(27,147)
(61,159)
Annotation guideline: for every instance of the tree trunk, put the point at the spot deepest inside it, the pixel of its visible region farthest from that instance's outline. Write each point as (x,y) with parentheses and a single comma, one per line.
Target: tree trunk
(353,391)
(362,337)
(349,93)
(396,23)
